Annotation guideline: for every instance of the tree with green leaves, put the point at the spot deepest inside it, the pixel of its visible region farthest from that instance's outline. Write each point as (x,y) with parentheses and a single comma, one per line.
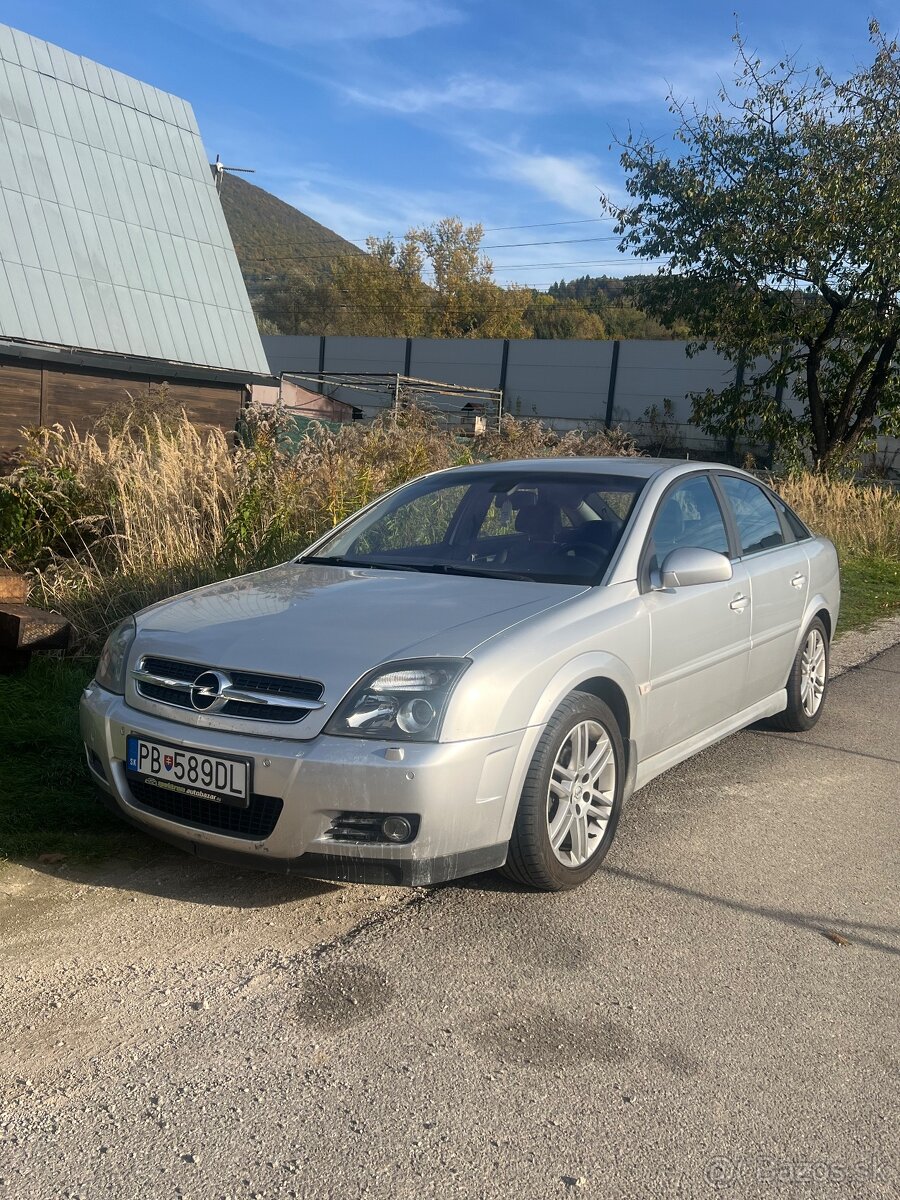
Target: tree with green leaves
(779,221)
(436,282)
(565,318)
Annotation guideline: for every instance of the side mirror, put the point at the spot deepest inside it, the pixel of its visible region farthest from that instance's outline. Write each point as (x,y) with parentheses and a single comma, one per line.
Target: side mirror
(689,565)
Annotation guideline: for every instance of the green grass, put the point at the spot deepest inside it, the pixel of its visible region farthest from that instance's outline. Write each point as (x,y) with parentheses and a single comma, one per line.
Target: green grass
(870,590)
(48,805)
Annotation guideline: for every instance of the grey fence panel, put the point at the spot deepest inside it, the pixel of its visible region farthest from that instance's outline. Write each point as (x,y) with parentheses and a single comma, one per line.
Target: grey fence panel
(566,383)
(652,372)
(469,362)
(375,355)
(560,381)
(292,353)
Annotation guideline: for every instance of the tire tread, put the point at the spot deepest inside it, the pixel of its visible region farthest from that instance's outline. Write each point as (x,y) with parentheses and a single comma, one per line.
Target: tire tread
(792,719)
(524,864)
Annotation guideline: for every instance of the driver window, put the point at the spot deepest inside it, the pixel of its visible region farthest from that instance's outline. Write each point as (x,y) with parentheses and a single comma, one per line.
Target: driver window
(689,516)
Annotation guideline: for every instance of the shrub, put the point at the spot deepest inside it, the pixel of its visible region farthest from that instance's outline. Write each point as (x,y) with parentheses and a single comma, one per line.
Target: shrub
(141,413)
(531,439)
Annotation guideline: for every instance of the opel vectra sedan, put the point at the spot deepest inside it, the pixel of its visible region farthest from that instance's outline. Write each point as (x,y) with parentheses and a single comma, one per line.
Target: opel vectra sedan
(475,671)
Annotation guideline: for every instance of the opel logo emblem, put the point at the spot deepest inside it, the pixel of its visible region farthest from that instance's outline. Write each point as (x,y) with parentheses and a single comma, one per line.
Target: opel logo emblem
(207,691)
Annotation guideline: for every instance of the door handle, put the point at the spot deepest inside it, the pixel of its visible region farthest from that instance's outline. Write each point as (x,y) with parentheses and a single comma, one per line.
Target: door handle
(798,580)
(740,602)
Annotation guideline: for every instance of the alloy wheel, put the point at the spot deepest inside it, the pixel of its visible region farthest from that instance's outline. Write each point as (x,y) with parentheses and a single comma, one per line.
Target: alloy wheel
(581,792)
(813,666)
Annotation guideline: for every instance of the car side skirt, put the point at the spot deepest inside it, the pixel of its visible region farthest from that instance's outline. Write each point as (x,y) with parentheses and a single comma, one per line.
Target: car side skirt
(651,767)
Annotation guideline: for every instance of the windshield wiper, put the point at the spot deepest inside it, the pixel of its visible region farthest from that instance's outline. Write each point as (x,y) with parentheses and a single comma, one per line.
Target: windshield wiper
(337,561)
(452,569)
(424,568)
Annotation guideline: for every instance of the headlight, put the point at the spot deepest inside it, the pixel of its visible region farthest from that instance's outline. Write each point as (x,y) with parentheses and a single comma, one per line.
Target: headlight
(400,701)
(114,658)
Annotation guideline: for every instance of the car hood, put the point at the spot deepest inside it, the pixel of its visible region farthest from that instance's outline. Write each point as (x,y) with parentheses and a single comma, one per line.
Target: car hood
(332,624)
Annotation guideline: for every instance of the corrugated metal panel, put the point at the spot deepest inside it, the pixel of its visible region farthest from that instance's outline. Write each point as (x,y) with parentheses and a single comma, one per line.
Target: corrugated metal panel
(111,222)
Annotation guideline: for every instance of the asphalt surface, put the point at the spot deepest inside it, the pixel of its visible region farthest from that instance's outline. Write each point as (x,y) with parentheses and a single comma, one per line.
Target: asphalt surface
(716,1012)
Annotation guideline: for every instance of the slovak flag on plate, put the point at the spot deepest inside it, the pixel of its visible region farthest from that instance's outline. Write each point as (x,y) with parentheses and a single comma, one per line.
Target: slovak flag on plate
(168,761)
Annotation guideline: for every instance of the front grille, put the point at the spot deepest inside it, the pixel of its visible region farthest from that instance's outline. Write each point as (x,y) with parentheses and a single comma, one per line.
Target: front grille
(254,823)
(271,685)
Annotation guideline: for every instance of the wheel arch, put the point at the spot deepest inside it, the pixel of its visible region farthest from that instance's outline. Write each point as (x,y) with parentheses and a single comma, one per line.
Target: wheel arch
(825,617)
(602,675)
(613,697)
(817,606)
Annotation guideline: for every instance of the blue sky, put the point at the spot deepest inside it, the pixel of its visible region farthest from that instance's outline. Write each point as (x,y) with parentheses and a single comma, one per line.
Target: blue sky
(375,115)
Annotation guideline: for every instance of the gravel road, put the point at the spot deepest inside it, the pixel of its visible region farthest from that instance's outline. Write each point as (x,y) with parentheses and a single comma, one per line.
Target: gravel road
(715,1013)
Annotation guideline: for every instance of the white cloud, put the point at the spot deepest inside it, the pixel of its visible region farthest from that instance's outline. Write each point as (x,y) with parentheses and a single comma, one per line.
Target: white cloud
(357,210)
(573,182)
(295,23)
(465,91)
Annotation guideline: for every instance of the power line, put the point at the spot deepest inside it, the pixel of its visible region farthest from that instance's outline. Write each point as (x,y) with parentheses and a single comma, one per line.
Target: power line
(508,228)
(548,224)
(612,237)
(495,246)
(589,262)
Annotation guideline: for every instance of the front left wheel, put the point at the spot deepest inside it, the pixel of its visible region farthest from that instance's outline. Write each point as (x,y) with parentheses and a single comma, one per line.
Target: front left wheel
(570,802)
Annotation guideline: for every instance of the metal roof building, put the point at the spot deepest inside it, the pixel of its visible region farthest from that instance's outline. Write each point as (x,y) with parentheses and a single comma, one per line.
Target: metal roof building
(114,252)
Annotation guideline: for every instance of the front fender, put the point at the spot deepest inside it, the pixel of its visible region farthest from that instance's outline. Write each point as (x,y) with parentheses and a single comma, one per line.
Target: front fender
(568,679)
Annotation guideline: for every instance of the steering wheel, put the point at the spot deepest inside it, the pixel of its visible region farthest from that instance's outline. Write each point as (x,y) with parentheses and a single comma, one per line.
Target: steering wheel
(594,556)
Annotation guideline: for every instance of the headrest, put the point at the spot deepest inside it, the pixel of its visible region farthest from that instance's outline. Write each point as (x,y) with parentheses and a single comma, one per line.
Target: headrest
(538,521)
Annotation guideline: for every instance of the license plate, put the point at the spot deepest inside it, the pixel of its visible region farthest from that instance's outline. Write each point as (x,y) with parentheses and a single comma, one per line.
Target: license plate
(214,777)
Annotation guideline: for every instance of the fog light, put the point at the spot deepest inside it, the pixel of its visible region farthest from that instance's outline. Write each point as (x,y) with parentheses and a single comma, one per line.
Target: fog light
(396,829)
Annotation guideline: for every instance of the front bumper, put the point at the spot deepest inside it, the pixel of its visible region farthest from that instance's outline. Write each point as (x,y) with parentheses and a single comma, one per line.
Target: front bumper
(459,790)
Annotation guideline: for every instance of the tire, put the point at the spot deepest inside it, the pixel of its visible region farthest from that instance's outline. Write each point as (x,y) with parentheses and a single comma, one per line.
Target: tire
(804,707)
(582,729)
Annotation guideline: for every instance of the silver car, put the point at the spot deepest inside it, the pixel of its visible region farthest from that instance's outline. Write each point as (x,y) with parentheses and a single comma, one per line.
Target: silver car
(475,671)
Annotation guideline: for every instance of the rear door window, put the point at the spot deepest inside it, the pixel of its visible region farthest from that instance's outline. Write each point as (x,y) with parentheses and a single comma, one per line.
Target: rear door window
(754,513)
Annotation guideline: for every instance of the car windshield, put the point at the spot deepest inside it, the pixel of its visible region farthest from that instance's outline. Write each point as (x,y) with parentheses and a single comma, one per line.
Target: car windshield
(549,527)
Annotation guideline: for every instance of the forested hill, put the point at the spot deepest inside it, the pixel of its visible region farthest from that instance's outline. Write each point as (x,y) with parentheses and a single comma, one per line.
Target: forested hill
(605,288)
(273,238)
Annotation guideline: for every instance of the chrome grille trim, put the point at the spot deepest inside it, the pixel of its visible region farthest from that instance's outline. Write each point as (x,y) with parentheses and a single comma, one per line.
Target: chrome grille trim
(230,692)
(178,678)
(161,680)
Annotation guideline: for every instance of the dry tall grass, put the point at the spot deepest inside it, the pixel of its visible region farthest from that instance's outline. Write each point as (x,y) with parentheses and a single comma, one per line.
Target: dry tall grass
(863,520)
(129,519)
(109,523)
(116,521)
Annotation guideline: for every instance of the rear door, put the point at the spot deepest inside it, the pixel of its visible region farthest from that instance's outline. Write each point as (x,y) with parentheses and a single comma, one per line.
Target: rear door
(778,573)
(700,635)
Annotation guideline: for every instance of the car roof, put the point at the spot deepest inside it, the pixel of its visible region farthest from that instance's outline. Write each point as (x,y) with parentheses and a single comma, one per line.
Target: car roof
(634,467)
